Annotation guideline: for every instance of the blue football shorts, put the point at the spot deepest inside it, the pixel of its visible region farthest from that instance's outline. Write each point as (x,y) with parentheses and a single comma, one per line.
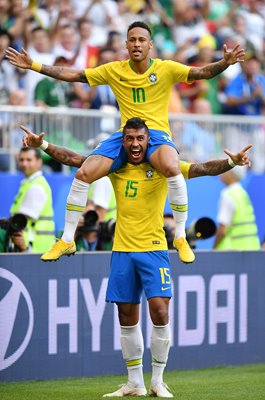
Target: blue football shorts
(112,147)
(134,272)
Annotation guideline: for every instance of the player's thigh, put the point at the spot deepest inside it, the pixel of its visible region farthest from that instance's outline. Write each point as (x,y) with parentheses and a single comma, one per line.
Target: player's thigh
(155,273)
(162,153)
(124,285)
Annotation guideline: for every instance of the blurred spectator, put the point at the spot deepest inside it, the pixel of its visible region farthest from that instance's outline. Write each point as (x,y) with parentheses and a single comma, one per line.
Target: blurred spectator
(197,140)
(117,44)
(34,200)
(190,24)
(54,93)
(207,89)
(8,76)
(100,96)
(10,134)
(103,14)
(255,24)
(246,93)
(40,48)
(66,43)
(237,228)
(87,52)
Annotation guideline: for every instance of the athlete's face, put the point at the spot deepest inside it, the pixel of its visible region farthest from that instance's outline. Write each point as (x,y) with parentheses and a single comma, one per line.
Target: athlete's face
(28,162)
(135,142)
(138,44)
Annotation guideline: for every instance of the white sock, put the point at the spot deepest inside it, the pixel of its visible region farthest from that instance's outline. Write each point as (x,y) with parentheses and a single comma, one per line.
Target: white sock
(160,345)
(132,346)
(76,202)
(178,199)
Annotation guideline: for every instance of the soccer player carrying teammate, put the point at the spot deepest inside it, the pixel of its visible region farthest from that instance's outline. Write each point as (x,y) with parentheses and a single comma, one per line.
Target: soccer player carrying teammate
(142,87)
(140,258)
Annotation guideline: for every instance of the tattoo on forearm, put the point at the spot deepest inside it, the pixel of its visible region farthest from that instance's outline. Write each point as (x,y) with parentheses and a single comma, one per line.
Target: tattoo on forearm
(208,71)
(212,168)
(52,71)
(65,156)
(64,73)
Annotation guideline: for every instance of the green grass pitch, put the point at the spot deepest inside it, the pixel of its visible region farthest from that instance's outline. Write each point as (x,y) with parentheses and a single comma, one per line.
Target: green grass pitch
(220,383)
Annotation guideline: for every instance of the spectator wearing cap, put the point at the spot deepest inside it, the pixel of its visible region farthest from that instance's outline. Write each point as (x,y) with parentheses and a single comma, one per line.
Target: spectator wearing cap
(245,94)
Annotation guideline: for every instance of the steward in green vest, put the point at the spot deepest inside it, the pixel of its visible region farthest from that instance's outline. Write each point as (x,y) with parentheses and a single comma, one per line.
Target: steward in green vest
(237,225)
(34,200)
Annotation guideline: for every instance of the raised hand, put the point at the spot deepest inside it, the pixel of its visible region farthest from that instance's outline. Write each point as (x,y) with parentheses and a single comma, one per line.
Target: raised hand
(21,60)
(242,157)
(235,55)
(30,139)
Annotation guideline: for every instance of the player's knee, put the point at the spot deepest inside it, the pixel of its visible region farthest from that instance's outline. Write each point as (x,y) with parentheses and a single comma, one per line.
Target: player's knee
(170,169)
(83,175)
(160,316)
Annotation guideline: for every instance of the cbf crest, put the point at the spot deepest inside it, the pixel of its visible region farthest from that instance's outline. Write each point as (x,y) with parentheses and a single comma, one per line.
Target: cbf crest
(149,173)
(152,78)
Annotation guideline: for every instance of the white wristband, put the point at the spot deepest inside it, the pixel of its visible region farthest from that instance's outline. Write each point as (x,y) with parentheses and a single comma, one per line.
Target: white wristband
(231,162)
(44,145)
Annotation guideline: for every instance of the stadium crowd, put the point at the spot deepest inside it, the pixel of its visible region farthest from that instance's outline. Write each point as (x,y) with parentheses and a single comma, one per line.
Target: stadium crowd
(85,33)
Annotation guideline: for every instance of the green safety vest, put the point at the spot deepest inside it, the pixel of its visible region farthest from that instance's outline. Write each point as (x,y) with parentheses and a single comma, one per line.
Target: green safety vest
(242,234)
(39,234)
(111,213)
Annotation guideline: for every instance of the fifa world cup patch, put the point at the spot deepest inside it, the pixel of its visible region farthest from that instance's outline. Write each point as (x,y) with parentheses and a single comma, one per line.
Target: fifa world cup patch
(149,173)
(152,78)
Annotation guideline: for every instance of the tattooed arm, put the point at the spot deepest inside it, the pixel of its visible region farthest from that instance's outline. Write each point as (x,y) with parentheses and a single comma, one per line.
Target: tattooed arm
(23,60)
(61,154)
(217,167)
(210,70)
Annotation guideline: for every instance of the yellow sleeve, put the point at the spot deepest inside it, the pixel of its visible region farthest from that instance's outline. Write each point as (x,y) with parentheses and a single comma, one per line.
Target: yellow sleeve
(185,167)
(96,76)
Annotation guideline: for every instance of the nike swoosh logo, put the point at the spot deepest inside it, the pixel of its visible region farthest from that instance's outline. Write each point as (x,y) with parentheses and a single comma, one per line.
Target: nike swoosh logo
(164,288)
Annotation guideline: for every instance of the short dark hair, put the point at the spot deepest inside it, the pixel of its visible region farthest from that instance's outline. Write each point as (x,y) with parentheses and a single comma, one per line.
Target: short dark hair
(139,24)
(135,123)
(35,149)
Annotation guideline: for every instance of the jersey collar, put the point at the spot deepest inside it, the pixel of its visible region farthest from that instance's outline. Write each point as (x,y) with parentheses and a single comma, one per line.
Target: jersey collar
(151,63)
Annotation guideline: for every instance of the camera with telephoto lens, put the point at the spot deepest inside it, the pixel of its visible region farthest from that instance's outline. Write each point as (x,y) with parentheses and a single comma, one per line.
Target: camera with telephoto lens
(105,229)
(16,223)
(12,225)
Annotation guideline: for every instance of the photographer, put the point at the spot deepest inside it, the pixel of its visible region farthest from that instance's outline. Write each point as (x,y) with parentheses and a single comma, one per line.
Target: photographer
(11,234)
(34,200)
(92,235)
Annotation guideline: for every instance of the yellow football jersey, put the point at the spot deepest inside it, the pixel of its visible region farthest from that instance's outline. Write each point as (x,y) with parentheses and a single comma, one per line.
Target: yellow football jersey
(141,95)
(140,195)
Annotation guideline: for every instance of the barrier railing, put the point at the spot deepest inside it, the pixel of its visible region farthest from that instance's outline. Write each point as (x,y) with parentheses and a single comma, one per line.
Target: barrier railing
(198,137)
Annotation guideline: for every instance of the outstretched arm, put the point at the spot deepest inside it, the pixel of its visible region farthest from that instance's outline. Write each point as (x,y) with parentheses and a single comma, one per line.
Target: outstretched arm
(61,154)
(23,60)
(210,70)
(217,167)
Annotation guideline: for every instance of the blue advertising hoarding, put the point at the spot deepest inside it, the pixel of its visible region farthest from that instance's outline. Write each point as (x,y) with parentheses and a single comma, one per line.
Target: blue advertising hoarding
(54,321)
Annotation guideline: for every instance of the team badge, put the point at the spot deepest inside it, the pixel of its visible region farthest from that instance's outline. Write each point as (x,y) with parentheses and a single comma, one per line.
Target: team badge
(149,173)
(153,78)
